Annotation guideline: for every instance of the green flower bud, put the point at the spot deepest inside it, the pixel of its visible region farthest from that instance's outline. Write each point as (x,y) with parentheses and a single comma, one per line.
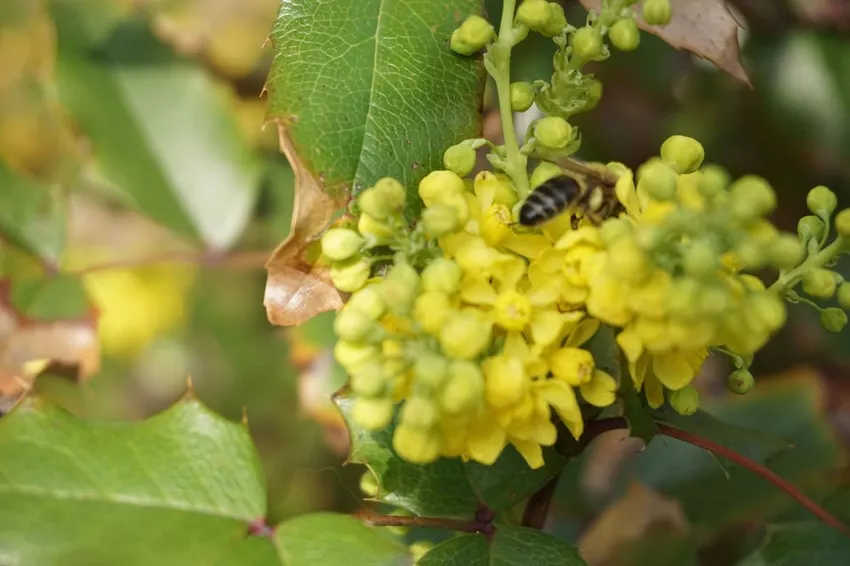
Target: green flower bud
(685,401)
(367,301)
(752,197)
(833,319)
(627,260)
(658,179)
(682,153)
(820,283)
(460,159)
(714,299)
(440,219)
(751,254)
(464,389)
(384,199)
(372,414)
(768,310)
(713,181)
(842,223)
(369,380)
(419,412)
(701,259)
(543,172)
(376,232)
(466,335)
(684,296)
(587,43)
(821,201)
(811,228)
(369,484)
(440,183)
(786,251)
(593,93)
(400,288)
(355,326)
(441,275)
(557,21)
(416,445)
(624,34)
(522,96)
(740,382)
(844,295)
(613,229)
(431,370)
(339,244)
(350,275)
(533,14)
(353,357)
(657,12)
(473,34)
(553,131)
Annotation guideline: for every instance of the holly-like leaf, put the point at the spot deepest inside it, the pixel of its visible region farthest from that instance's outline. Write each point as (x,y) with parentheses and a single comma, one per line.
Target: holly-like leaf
(704,27)
(801,544)
(510,546)
(161,131)
(360,90)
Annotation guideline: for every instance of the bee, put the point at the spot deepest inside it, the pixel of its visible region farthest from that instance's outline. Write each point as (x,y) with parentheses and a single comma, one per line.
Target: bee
(588,191)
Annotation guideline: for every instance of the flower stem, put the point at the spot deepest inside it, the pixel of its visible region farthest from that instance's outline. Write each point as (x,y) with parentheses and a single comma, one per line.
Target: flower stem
(788,280)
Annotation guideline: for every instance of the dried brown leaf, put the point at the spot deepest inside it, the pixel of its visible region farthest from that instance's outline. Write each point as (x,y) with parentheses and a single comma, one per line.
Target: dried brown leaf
(704,27)
(297,290)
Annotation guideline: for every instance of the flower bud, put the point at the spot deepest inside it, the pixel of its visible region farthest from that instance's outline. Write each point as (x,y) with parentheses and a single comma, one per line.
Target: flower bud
(842,223)
(465,335)
(613,229)
(438,183)
(369,380)
(682,153)
(440,219)
(367,301)
(657,179)
(543,172)
(752,197)
(553,132)
(587,43)
(375,231)
(713,181)
(593,94)
(473,34)
(820,283)
(384,199)
(350,275)
(844,295)
(556,22)
(572,365)
(821,201)
(372,413)
(460,159)
(399,288)
(751,254)
(684,294)
(353,357)
(339,244)
(356,326)
(624,34)
(627,261)
(657,12)
(441,274)
(534,14)
(740,382)
(431,310)
(459,203)
(522,96)
(431,370)
(419,412)
(786,251)
(504,380)
(498,188)
(464,389)
(685,401)
(833,319)
(811,228)
(369,484)
(701,259)
(416,445)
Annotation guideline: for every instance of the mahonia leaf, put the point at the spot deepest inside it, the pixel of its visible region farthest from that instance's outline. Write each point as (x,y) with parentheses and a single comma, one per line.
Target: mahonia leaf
(801,544)
(510,546)
(704,27)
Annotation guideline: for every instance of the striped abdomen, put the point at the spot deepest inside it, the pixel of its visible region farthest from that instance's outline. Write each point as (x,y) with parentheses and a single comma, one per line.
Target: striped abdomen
(548,200)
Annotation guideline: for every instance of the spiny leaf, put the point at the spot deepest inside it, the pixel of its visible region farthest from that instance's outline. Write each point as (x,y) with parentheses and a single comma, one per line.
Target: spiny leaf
(511,546)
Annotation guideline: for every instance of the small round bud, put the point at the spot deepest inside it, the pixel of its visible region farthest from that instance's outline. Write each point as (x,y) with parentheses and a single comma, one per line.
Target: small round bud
(820,283)
(431,310)
(713,181)
(553,132)
(353,357)
(751,254)
(367,301)
(416,445)
(811,228)
(657,12)
(369,484)
(613,229)
(683,298)
(441,275)
(339,244)
(543,172)
(658,179)
(786,251)
(767,310)
(473,34)
(350,275)
(685,401)
(464,388)
(843,295)
(833,319)
(752,197)
(419,412)
(593,94)
(702,259)
(438,183)
(384,199)
(682,153)
(821,201)
(842,223)
(376,232)
(400,287)
(624,34)
(369,380)
(431,370)
(556,22)
(460,159)
(522,96)
(740,382)
(465,335)
(440,219)
(372,414)
(356,326)
(587,43)
(534,14)
(627,261)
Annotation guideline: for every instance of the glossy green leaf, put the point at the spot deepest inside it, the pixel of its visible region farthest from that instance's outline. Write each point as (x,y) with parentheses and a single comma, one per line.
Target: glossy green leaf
(370,88)
(32,216)
(50,298)
(180,488)
(510,546)
(801,544)
(161,130)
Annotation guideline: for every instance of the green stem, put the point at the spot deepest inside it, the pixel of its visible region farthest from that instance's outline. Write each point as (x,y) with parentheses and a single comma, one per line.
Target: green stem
(790,279)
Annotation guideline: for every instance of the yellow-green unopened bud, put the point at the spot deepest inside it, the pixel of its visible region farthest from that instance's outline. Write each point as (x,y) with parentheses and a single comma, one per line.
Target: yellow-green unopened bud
(419,412)
(821,201)
(353,357)
(367,301)
(658,179)
(522,96)
(786,252)
(833,319)
(369,484)
(657,12)
(465,335)
(682,153)
(624,34)
(593,94)
(441,275)
(842,223)
(769,310)
(384,199)
(369,380)
(685,401)
(416,445)
(464,389)
(438,183)
(339,244)
(473,34)
(751,254)
(533,14)
(713,181)
(843,295)
(587,43)
(400,287)
(740,382)
(553,132)
(627,261)
(557,20)
(811,228)
(350,275)
(431,370)
(440,219)
(752,197)
(683,298)
(356,326)
(376,232)
(460,159)
(431,310)
(613,229)
(543,172)
(820,283)
(372,414)
(702,259)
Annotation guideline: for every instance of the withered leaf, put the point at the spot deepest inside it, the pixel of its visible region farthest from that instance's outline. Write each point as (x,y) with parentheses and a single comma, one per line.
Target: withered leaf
(297,289)
(704,27)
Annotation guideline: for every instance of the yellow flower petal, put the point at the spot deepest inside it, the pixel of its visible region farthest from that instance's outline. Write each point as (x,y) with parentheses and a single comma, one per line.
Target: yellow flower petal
(508,270)
(673,370)
(530,451)
(572,365)
(563,399)
(531,246)
(630,344)
(546,326)
(505,380)
(654,390)
(583,235)
(639,369)
(601,390)
(583,332)
(478,291)
(485,440)
(558,226)
(627,194)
